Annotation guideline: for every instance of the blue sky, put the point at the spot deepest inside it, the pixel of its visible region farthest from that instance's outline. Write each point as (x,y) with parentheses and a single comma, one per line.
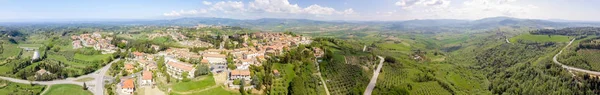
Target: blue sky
(361,10)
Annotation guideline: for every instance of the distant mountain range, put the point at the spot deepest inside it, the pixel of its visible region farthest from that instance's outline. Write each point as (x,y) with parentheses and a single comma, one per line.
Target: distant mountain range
(271,24)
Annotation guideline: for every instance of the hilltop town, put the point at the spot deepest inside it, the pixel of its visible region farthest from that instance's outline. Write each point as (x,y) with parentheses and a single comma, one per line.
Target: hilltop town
(228,66)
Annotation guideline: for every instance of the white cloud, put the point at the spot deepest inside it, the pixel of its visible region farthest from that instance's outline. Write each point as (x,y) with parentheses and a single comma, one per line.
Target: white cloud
(206,3)
(409,4)
(469,9)
(274,6)
(318,10)
(183,12)
(228,6)
(347,11)
(265,9)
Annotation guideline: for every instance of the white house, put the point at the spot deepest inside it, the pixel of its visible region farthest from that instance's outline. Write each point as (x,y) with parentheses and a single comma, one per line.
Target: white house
(215,58)
(146,77)
(127,86)
(239,74)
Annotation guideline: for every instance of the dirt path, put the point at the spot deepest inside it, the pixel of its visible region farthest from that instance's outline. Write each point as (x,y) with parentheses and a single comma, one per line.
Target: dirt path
(320,77)
(371,85)
(45,90)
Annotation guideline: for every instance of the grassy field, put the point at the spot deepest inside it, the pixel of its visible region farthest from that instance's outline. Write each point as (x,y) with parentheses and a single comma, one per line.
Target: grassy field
(10,88)
(395,47)
(31,45)
(540,38)
(194,85)
(281,84)
(10,50)
(84,79)
(429,88)
(213,91)
(64,60)
(91,57)
(67,89)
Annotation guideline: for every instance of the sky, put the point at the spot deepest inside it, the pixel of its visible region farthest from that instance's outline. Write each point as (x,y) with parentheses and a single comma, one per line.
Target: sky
(350,10)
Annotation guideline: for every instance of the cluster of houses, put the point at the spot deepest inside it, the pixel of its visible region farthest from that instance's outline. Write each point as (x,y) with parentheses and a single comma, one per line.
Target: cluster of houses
(94,40)
(138,60)
(263,45)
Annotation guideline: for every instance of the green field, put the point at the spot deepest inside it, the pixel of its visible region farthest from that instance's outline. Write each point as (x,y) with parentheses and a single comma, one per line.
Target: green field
(10,50)
(592,56)
(281,83)
(64,60)
(31,45)
(428,88)
(91,57)
(213,91)
(67,89)
(540,38)
(206,82)
(10,88)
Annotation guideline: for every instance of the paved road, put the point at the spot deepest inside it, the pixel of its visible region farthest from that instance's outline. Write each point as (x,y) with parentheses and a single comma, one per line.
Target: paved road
(99,78)
(572,68)
(98,81)
(374,78)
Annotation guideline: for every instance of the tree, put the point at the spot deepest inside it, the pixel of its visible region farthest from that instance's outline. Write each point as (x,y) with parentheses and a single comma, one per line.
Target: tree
(231,66)
(185,76)
(242,90)
(202,70)
(160,62)
(256,82)
(84,86)
(168,79)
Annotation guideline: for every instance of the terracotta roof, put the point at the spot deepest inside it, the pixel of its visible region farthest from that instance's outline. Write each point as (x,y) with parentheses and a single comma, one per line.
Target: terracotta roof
(128,83)
(240,72)
(214,50)
(204,61)
(128,66)
(138,53)
(275,71)
(180,65)
(146,75)
(215,55)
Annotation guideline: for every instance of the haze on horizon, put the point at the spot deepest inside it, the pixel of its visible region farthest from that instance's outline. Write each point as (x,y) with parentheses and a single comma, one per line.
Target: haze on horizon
(351,10)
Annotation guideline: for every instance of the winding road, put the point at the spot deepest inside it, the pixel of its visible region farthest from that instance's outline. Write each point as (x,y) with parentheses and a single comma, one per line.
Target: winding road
(371,85)
(98,82)
(572,68)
